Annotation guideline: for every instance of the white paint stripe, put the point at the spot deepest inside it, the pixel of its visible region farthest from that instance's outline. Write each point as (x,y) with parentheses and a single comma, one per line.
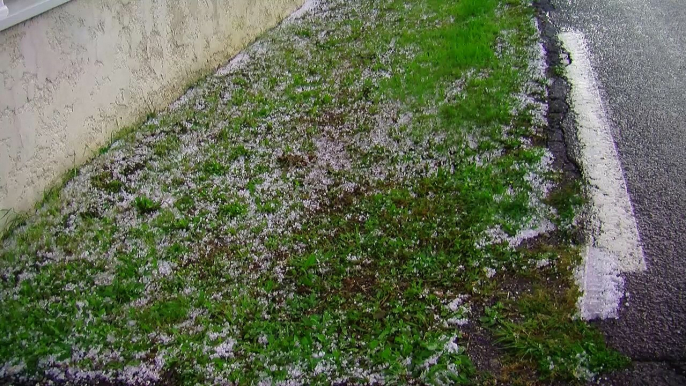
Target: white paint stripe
(615,244)
(601,283)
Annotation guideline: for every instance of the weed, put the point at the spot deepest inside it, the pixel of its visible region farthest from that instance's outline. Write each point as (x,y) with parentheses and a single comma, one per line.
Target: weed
(144,205)
(559,70)
(567,199)
(213,167)
(105,181)
(233,209)
(167,145)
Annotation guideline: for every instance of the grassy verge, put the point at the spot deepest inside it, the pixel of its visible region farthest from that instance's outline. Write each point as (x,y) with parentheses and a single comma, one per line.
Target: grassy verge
(341,203)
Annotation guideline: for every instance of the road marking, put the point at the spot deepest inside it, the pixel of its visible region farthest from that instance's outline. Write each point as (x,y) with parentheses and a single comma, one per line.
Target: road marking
(614,245)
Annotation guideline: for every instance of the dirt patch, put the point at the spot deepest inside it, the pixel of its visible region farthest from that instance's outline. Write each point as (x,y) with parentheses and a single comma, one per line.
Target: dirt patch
(483,350)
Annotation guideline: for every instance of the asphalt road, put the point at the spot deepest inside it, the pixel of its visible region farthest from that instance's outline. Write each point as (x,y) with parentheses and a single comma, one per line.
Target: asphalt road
(638,50)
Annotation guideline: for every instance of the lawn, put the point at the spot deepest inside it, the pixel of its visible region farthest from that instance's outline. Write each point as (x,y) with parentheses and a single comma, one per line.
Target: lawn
(363,196)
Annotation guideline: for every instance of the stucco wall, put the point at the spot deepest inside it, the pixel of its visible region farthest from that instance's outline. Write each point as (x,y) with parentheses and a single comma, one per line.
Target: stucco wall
(72,76)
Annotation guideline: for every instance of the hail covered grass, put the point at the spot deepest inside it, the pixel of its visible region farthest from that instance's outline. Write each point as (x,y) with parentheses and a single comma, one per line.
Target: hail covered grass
(323,209)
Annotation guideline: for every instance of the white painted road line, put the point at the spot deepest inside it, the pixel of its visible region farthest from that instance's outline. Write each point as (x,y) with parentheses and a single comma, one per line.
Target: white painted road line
(602,285)
(615,246)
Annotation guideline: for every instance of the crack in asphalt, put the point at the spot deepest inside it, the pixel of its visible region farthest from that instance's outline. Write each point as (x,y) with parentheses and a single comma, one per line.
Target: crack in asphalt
(560,134)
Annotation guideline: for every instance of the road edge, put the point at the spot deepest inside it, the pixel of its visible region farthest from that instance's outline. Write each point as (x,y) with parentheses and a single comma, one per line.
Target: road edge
(609,234)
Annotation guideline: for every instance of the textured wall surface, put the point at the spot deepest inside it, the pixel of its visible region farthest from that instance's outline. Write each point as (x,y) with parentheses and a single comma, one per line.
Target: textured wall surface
(72,76)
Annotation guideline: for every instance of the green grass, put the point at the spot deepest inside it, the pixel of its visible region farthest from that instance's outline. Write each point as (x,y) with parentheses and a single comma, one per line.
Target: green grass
(144,205)
(105,181)
(541,331)
(343,207)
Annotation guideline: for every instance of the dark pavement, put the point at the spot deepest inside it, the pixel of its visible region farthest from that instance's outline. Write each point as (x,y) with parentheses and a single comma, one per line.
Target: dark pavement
(638,50)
